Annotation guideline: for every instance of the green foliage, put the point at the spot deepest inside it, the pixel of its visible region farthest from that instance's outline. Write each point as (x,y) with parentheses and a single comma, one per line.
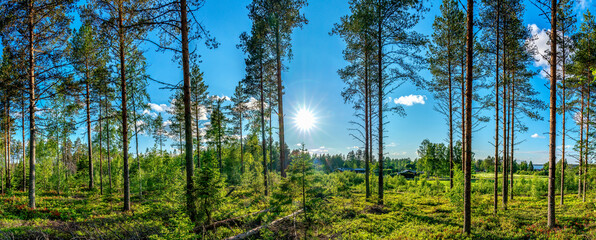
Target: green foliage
(456,194)
(209,188)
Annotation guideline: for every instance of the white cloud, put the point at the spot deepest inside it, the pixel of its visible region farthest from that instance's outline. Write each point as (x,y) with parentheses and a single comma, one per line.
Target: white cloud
(410,100)
(392,144)
(353,148)
(222,97)
(166,123)
(320,150)
(535,135)
(539,40)
(158,107)
(254,104)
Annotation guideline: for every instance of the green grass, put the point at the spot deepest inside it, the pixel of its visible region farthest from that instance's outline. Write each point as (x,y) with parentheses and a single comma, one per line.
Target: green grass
(412,210)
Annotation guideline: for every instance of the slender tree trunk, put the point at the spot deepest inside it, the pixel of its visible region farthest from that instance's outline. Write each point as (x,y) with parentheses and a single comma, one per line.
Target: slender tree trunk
(23,135)
(366,123)
(271,131)
(450,113)
(241,146)
(581,143)
(496,181)
(109,153)
(553,116)
(264,145)
(32,127)
(7,142)
(587,144)
(563,105)
(468,160)
(190,199)
(88,111)
(280,105)
(58,163)
(134,116)
(463,114)
(380,99)
(512,158)
(197,115)
(100,150)
(126,179)
(505,190)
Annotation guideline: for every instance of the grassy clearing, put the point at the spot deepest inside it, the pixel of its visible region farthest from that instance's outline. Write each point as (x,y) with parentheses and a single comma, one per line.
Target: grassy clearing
(412,210)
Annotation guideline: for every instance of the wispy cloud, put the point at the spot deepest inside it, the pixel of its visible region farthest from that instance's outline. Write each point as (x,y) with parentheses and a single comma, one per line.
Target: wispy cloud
(535,135)
(410,100)
(320,150)
(158,107)
(392,144)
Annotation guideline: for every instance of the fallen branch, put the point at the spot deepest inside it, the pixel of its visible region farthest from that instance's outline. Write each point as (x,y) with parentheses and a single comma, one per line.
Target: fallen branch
(257,229)
(229,221)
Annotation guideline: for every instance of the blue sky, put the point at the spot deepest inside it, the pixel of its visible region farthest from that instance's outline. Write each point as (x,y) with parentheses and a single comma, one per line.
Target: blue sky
(312,81)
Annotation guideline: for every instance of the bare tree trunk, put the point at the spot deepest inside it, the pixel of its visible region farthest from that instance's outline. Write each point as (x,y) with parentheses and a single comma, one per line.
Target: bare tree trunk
(581,144)
(512,160)
(366,123)
(100,150)
(88,111)
(380,99)
(450,114)
(553,116)
(264,145)
(468,149)
(190,199)
(109,153)
(505,190)
(7,139)
(587,144)
(198,132)
(496,181)
(564,103)
(32,127)
(241,146)
(23,135)
(126,200)
(280,105)
(134,116)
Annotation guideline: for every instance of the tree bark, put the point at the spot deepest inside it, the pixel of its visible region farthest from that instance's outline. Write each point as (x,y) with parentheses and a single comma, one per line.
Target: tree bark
(190,200)
(263,144)
(468,149)
(587,151)
(280,105)
(88,111)
(32,127)
(126,179)
(512,144)
(563,105)
(380,99)
(553,116)
(366,122)
(100,150)
(496,181)
(450,113)
(23,135)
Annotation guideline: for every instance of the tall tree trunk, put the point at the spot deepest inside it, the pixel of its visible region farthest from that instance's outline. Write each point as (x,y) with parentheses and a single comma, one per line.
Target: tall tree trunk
(563,105)
(126,179)
(197,115)
(450,113)
(587,144)
(100,149)
(512,158)
(468,160)
(505,153)
(190,199)
(32,100)
(496,180)
(463,114)
(109,153)
(88,111)
(263,144)
(134,116)
(553,116)
(7,140)
(366,123)
(241,146)
(23,135)
(380,99)
(280,105)
(581,143)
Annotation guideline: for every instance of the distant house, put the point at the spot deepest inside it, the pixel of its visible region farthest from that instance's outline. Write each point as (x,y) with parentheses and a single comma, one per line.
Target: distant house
(356,170)
(409,174)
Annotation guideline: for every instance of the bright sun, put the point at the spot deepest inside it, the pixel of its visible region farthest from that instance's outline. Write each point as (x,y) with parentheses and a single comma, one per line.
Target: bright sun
(304,119)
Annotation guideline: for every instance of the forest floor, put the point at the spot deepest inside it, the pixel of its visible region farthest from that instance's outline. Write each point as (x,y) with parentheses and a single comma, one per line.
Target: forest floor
(405,215)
